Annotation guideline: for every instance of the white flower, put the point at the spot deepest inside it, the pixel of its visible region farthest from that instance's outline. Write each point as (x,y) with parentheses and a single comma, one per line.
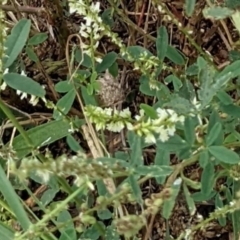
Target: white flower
(23,73)
(115,127)
(141,114)
(34,100)
(6,71)
(44,175)
(171,130)
(163,134)
(21,94)
(125,113)
(162,114)
(150,138)
(95,7)
(3,86)
(174,117)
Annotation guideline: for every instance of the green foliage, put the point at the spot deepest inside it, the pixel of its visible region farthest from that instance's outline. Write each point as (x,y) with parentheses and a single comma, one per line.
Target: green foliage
(187,117)
(24,84)
(16,41)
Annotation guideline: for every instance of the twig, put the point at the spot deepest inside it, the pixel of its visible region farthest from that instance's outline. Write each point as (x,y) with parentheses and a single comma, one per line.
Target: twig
(25,9)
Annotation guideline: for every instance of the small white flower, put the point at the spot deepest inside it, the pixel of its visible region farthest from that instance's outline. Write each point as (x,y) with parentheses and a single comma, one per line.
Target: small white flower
(6,71)
(162,114)
(23,73)
(174,117)
(163,134)
(171,130)
(21,94)
(3,86)
(44,175)
(34,100)
(125,113)
(178,181)
(150,138)
(95,7)
(115,127)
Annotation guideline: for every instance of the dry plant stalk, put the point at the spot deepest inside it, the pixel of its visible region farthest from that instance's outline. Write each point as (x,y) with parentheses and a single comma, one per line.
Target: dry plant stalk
(88,129)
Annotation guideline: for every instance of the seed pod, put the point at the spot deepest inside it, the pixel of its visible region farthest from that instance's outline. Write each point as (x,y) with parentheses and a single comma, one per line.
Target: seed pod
(110,92)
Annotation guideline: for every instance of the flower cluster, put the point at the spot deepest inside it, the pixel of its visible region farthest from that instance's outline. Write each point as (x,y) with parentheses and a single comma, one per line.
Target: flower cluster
(85,170)
(108,118)
(160,128)
(92,27)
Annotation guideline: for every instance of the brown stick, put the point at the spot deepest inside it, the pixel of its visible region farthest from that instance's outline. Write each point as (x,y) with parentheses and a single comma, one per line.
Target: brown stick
(25,9)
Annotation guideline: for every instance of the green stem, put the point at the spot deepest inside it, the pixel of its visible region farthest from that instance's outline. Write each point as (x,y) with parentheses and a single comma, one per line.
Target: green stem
(12,118)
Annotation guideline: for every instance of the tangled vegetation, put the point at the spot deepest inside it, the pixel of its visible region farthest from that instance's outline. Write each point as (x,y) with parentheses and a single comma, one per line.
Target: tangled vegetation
(119,119)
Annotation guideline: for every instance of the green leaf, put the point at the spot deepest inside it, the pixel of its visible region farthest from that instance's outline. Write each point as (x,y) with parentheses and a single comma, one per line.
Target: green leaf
(180,105)
(217,13)
(88,99)
(233,69)
(207,179)
(190,201)
(200,197)
(13,200)
(31,54)
(189,130)
(64,104)
(163,94)
(185,153)
(189,7)
(41,136)
(169,203)
(162,42)
(236,213)
(215,132)
(224,155)
(113,70)
(68,232)
(204,158)
(48,196)
(149,111)
(6,232)
(136,151)
(207,90)
(87,62)
(137,193)
(231,110)
(175,56)
(37,39)
(174,144)
(107,17)
(24,84)
(111,233)
(154,170)
(107,62)
(234,55)
(232,4)
(92,232)
(16,41)
(192,70)
(224,97)
(136,52)
(162,158)
(64,86)
(219,204)
(104,214)
(177,83)
(73,144)
(145,87)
